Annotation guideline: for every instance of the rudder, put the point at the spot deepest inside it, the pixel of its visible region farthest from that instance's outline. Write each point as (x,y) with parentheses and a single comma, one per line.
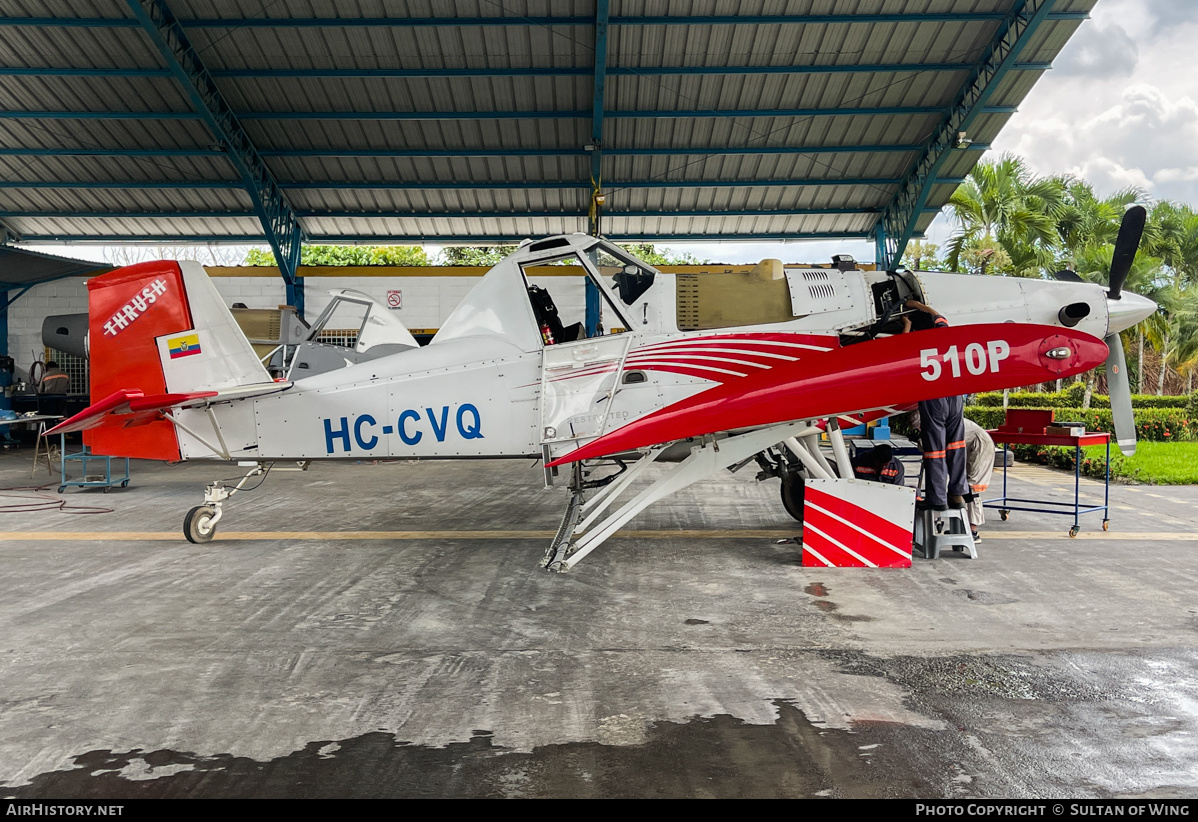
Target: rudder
(160,327)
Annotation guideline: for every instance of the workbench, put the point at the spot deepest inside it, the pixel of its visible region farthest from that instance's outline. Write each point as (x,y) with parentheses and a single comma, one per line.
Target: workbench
(1003,503)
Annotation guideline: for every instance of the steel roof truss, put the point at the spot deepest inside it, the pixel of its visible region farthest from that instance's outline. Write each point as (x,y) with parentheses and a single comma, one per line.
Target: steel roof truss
(527,71)
(279,222)
(434,116)
(455,22)
(898,222)
(456,185)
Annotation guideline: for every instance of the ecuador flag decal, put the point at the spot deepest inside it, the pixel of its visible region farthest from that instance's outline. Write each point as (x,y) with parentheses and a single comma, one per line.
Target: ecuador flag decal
(183,346)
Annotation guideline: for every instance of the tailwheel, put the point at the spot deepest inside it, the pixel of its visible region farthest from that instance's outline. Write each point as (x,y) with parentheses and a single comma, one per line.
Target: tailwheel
(199,525)
(1073,531)
(792,495)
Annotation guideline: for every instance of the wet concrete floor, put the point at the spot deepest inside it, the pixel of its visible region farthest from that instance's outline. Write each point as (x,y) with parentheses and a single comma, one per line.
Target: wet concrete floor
(384,630)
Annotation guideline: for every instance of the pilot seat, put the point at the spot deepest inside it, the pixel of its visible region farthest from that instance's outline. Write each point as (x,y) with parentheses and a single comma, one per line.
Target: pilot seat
(545,310)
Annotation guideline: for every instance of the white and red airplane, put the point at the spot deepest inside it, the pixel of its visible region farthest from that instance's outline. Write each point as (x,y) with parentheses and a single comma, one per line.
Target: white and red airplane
(709,369)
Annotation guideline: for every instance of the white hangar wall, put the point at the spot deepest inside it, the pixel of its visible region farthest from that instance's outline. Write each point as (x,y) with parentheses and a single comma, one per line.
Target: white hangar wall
(426,301)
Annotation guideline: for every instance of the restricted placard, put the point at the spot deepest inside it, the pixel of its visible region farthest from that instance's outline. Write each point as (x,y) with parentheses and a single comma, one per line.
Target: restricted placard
(395,299)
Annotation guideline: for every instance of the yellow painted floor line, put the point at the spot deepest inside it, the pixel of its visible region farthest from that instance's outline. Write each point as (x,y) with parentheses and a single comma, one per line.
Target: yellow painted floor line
(160,536)
(304,536)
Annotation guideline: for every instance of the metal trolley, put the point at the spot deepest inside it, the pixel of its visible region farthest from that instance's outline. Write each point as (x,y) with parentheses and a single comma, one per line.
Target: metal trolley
(85,458)
(1003,503)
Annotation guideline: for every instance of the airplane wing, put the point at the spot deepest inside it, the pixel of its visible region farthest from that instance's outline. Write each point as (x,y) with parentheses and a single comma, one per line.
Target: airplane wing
(893,371)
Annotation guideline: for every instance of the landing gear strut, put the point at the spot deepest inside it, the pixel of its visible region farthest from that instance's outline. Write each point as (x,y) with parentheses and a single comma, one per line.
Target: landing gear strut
(199,525)
(584,526)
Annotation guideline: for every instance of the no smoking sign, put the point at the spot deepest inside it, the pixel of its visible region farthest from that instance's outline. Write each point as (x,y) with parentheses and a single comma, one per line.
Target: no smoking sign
(395,299)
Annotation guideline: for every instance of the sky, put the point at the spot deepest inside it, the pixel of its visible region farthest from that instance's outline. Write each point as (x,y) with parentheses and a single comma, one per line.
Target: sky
(1119,108)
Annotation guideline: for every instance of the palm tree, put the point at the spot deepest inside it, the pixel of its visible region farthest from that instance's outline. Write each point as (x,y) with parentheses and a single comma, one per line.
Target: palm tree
(1003,201)
(1085,221)
(921,256)
(1176,240)
(1185,359)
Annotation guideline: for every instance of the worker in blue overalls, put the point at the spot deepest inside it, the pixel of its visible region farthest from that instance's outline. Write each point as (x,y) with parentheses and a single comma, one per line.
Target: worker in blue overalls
(878,464)
(942,430)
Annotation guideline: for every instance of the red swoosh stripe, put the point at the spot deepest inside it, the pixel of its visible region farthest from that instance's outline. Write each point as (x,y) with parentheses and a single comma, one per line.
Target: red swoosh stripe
(865,376)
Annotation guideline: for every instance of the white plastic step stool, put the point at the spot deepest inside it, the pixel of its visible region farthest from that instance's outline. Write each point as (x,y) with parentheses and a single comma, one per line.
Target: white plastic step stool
(954,532)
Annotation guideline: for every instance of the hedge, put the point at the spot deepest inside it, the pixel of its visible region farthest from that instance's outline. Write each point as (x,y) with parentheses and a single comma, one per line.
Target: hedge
(1152,424)
(1073,399)
(1064,457)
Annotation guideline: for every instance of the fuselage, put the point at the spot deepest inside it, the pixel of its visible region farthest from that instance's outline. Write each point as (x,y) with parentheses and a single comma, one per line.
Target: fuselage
(493,384)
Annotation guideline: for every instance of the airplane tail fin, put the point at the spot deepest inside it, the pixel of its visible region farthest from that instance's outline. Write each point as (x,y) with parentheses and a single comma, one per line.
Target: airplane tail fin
(160,328)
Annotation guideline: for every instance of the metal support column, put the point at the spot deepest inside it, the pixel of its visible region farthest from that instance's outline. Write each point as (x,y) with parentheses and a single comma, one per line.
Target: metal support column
(7,298)
(596,149)
(5,301)
(279,221)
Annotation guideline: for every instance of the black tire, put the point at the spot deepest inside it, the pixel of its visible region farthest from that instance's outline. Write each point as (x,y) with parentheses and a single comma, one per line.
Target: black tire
(61,488)
(792,496)
(197,525)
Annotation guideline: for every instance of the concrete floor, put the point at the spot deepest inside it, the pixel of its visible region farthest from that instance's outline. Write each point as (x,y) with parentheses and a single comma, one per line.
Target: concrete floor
(690,657)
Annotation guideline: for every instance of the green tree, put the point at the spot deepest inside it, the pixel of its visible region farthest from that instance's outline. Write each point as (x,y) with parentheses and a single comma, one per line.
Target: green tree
(1005,202)
(921,256)
(346,255)
(474,254)
(985,255)
(1087,221)
(653,256)
(1175,240)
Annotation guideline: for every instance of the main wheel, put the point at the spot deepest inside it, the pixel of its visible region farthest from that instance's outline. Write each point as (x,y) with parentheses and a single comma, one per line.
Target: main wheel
(198,526)
(792,496)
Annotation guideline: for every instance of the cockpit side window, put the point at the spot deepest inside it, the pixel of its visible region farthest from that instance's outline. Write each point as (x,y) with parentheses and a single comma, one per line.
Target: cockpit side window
(557,291)
(631,279)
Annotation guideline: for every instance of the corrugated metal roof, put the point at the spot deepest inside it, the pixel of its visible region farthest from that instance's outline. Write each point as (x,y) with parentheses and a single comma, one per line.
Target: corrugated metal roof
(403,119)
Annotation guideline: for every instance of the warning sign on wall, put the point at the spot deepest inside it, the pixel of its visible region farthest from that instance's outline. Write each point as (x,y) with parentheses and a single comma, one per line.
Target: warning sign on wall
(395,299)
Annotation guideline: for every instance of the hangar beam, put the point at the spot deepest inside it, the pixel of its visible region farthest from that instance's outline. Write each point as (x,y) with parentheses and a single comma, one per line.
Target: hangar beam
(897,223)
(279,221)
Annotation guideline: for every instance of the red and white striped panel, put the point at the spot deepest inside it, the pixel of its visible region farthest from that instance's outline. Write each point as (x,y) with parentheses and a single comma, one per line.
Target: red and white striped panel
(849,523)
(724,357)
(718,358)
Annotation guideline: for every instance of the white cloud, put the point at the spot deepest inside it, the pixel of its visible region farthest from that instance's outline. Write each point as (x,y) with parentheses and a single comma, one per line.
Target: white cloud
(1119,107)
(1099,51)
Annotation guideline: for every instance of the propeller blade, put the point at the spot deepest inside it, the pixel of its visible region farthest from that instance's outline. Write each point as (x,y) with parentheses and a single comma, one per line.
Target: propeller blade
(1120,391)
(1067,276)
(1130,231)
